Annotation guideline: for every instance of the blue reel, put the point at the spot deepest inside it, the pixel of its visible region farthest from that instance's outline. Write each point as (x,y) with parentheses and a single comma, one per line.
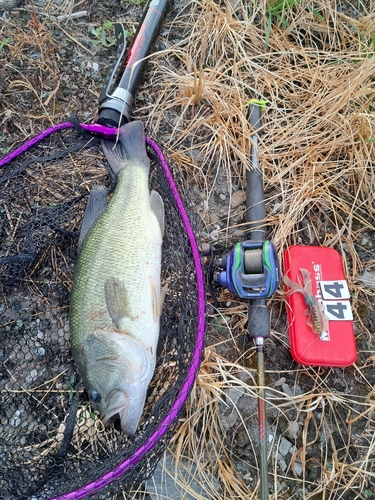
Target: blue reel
(251,270)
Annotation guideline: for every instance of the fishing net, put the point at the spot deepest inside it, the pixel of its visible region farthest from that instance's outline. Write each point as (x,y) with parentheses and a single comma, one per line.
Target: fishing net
(51,440)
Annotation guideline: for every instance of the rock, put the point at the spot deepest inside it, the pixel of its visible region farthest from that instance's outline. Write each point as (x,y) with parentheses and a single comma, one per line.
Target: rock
(298,468)
(293,430)
(286,389)
(237,199)
(284,446)
(368,278)
(214,234)
(276,207)
(228,411)
(282,465)
(9,4)
(214,218)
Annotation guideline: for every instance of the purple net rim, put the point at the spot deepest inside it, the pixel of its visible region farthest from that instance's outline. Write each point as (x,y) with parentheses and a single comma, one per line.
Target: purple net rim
(163,427)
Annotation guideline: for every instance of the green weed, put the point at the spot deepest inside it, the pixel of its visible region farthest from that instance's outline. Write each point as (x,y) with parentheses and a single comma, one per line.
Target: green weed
(5,42)
(104,35)
(277,12)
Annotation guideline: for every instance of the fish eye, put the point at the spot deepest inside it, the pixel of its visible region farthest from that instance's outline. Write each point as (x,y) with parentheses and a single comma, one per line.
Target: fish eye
(95,396)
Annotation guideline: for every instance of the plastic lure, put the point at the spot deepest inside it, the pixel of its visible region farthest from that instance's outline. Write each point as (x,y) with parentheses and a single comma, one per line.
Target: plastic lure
(318,320)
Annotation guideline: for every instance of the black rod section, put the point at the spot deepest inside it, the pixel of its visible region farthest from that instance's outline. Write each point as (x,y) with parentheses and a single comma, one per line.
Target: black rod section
(115,109)
(255,206)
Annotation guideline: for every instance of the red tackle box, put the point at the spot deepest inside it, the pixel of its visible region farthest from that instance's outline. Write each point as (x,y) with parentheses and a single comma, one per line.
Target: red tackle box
(336,347)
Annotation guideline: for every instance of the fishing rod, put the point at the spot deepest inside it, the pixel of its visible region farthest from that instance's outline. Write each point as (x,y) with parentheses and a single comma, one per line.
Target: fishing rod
(117,96)
(252,271)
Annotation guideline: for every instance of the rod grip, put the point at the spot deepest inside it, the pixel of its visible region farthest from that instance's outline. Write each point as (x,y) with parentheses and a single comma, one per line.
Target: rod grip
(259,319)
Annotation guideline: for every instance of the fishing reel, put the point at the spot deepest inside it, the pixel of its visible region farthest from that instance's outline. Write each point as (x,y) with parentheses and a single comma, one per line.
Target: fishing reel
(250,271)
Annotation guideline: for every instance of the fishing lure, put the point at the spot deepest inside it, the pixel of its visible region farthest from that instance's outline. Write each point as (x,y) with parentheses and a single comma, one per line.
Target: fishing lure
(318,320)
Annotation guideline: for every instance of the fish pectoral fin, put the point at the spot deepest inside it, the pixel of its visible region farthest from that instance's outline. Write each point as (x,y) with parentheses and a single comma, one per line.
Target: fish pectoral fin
(157,206)
(116,299)
(95,206)
(158,301)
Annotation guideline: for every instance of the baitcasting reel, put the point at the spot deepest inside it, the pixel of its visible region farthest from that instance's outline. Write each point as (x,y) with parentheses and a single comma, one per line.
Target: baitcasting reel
(250,271)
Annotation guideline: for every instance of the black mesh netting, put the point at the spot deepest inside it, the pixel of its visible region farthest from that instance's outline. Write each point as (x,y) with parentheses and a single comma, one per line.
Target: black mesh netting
(51,441)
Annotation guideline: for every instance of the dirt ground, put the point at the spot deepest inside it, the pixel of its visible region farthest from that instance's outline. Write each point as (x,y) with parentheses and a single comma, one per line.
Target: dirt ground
(54,63)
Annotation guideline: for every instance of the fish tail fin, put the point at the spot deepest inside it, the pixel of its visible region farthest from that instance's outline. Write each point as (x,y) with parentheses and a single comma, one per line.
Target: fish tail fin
(130,145)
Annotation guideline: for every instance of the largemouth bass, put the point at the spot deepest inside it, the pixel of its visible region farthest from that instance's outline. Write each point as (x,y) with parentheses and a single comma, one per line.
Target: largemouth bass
(116,298)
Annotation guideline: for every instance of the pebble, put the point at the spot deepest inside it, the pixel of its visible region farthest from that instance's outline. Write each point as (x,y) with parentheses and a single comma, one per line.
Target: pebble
(9,4)
(298,468)
(276,207)
(293,430)
(287,390)
(284,446)
(368,278)
(214,218)
(283,465)
(214,234)
(238,198)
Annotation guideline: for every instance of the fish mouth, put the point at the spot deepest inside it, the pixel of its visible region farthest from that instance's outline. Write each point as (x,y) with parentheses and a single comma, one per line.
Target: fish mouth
(116,404)
(120,405)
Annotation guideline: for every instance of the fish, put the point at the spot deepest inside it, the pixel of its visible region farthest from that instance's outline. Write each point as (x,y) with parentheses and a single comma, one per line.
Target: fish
(318,321)
(116,298)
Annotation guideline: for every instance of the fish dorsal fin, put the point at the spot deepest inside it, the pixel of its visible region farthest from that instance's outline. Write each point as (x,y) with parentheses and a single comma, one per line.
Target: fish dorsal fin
(117,302)
(95,206)
(157,206)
